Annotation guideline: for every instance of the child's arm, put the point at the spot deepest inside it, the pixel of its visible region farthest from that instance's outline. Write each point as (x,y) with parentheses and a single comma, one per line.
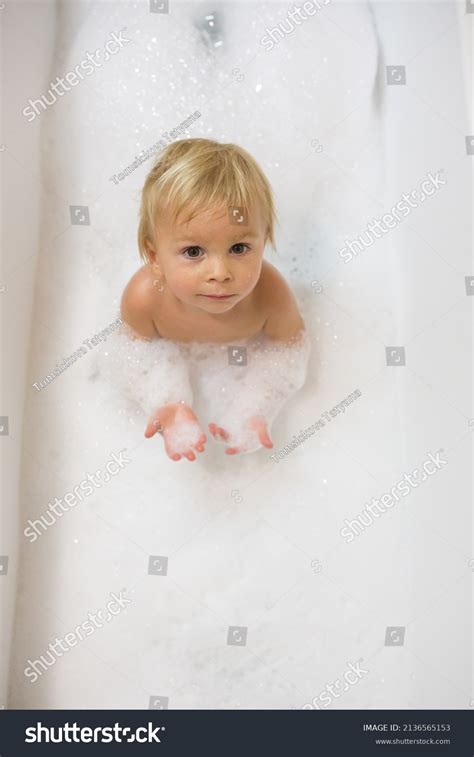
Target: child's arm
(136,307)
(284,322)
(152,371)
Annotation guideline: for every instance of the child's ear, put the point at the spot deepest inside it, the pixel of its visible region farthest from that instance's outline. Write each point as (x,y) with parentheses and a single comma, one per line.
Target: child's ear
(151,253)
(156,268)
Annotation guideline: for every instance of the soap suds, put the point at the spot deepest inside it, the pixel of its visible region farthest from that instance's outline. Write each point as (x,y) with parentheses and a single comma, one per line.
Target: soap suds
(226,384)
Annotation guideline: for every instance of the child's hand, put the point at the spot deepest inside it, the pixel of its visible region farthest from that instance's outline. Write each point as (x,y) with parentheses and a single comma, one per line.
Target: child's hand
(180,429)
(255,428)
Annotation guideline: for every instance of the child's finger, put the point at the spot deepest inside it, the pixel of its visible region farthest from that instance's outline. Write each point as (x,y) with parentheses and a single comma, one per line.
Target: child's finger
(151,429)
(190,455)
(260,426)
(170,451)
(264,438)
(232,451)
(199,445)
(217,431)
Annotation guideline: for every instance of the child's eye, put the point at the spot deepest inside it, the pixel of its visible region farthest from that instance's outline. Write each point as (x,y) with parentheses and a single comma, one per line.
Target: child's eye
(241,247)
(190,252)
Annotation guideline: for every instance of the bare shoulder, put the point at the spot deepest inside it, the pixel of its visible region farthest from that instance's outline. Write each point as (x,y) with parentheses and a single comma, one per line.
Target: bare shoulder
(270,275)
(136,307)
(283,317)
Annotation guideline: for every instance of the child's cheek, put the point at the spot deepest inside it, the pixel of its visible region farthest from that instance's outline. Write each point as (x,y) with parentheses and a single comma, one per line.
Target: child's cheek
(187,281)
(251,277)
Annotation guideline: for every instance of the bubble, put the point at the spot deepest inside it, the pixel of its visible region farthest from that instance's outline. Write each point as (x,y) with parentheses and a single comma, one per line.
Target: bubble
(235,395)
(232,395)
(183,435)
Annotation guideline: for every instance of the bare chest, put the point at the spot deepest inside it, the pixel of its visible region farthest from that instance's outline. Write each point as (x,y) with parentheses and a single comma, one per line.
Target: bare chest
(202,327)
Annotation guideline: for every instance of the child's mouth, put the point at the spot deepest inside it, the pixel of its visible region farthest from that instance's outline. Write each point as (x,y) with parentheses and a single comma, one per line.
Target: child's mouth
(218,296)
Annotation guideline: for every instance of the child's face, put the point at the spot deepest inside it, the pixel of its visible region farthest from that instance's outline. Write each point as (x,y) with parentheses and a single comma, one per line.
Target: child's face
(209,255)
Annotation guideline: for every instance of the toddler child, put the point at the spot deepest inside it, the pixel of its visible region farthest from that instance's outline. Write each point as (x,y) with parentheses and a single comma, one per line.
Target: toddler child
(207,212)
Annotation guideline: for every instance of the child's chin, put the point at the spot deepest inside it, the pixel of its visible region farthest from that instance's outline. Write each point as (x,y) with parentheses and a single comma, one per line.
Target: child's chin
(217,305)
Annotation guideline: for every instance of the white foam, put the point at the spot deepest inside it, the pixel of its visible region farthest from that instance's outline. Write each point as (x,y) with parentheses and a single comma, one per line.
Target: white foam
(183,435)
(231,394)
(227,384)
(152,373)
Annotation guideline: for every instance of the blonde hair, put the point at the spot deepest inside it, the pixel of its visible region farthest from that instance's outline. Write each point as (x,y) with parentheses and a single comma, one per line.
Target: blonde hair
(193,174)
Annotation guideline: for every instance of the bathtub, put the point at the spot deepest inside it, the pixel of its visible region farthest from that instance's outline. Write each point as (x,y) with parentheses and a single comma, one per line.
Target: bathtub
(235,581)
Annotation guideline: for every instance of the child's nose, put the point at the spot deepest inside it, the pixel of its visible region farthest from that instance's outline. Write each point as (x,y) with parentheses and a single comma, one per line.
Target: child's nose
(219,272)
